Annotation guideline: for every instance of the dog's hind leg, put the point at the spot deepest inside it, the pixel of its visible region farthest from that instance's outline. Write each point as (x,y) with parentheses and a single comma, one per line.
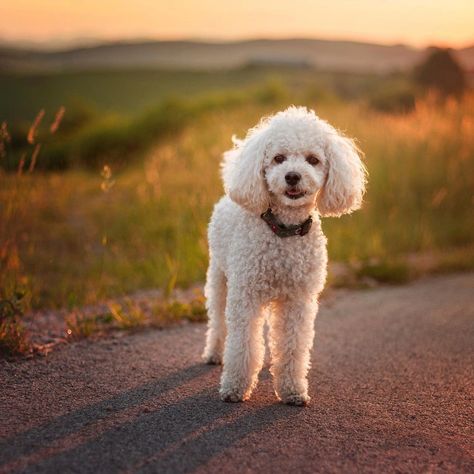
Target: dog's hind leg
(291,340)
(215,292)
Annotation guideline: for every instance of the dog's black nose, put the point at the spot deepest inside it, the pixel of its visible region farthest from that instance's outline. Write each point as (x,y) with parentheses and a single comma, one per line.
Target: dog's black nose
(292,178)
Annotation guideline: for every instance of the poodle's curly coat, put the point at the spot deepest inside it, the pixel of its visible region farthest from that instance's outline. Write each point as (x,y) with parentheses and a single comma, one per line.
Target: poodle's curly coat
(298,165)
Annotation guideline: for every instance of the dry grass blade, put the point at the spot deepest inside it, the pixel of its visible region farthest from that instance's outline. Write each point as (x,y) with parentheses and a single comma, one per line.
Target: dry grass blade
(34,157)
(57,120)
(34,127)
(21,164)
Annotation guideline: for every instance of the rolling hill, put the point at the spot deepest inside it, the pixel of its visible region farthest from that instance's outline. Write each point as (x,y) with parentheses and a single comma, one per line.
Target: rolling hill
(198,55)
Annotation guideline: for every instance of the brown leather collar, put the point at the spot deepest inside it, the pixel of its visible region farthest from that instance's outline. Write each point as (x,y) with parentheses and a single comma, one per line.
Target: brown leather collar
(283,230)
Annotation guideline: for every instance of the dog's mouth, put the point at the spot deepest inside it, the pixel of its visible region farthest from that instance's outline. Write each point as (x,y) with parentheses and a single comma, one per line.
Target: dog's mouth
(294,193)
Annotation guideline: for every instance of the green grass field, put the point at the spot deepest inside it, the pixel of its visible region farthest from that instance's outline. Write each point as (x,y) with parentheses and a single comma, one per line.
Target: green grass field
(125,92)
(134,91)
(78,236)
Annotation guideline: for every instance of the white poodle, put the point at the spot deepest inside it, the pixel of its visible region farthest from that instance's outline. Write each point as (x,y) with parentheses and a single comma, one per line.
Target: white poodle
(267,250)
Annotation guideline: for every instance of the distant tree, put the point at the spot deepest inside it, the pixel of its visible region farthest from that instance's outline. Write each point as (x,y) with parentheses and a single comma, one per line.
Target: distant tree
(441,71)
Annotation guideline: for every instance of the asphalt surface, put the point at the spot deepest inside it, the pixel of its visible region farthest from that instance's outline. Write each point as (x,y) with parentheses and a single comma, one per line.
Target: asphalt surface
(391,386)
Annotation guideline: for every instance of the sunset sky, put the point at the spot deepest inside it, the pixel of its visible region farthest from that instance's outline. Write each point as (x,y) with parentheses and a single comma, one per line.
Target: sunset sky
(416,22)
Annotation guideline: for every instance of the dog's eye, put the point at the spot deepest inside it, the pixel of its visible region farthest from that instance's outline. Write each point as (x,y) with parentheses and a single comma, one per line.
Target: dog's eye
(279,159)
(312,160)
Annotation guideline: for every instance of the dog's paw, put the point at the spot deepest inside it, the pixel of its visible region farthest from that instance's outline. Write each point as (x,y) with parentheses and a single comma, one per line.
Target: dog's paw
(296,399)
(212,359)
(231,395)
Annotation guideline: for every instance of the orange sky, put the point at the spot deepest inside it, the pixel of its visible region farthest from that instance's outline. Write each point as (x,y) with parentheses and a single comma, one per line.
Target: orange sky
(417,22)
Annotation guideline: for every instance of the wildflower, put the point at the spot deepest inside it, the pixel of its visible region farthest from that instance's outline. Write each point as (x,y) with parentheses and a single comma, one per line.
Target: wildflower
(107,181)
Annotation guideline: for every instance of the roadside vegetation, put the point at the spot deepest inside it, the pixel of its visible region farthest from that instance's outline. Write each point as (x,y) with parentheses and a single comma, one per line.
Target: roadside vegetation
(96,205)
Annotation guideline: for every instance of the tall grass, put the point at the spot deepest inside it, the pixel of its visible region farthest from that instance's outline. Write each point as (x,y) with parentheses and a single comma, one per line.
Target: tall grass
(90,140)
(154,217)
(421,182)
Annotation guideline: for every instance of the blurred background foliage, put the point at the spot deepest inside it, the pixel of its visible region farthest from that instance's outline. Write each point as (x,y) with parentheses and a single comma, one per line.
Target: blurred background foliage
(109,177)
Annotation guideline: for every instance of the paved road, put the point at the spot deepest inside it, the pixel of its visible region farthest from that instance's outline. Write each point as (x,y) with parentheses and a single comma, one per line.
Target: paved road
(392,386)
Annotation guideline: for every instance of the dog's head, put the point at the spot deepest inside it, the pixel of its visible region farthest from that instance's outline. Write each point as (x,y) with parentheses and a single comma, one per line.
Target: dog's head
(295,159)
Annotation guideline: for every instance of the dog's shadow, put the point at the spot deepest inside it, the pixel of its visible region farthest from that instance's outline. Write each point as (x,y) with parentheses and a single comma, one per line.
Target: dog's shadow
(177,436)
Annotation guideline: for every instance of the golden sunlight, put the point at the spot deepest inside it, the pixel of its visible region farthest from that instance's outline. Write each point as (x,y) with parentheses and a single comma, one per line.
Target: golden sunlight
(417,22)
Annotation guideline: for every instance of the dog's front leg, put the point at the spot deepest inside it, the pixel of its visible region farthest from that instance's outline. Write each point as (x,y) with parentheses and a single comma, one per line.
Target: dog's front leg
(244,347)
(291,340)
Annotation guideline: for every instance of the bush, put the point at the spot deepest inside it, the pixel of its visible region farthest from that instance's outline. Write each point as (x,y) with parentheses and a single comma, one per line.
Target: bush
(441,72)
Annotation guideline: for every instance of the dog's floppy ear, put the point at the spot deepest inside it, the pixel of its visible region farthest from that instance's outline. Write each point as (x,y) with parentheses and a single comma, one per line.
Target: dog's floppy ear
(346,178)
(242,171)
